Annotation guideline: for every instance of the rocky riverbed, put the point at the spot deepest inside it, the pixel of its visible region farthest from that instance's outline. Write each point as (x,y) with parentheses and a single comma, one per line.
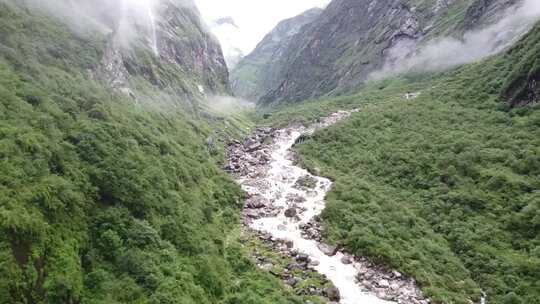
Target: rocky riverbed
(283,206)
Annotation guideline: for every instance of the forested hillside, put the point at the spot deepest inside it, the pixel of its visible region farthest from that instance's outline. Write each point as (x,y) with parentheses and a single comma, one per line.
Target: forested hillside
(438,176)
(103,200)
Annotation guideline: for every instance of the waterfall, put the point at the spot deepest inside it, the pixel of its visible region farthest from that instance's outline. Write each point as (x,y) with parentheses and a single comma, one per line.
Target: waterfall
(141,13)
(153,29)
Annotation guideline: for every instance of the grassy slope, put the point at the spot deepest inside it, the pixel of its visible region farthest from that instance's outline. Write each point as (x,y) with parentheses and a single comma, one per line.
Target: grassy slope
(102,201)
(444,187)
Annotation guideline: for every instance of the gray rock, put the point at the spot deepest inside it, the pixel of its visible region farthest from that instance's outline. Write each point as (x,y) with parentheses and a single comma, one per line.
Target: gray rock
(291,212)
(256,202)
(346,260)
(302,257)
(333,294)
(293,281)
(254,147)
(383,283)
(327,249)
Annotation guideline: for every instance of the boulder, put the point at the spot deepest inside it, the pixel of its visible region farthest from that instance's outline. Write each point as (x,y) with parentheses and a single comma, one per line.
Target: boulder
(346,260)
(302,258)
(383,283)
(256,202)
(254,147)
(291,212)
(327,249)
(333,294)
(251,213)
(292,281)
(306,182)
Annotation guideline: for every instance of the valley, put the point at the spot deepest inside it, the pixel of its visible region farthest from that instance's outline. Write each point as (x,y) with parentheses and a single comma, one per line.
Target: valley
(367,151)
(283,207)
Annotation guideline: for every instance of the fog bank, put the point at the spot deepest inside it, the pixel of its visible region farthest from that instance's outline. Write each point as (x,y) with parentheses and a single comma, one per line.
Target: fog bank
(445,53)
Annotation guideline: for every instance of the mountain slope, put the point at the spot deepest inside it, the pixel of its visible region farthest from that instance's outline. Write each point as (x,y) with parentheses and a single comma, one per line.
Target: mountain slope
(353,39)
(437,175)
(260,71)
(103,200)
(185,62)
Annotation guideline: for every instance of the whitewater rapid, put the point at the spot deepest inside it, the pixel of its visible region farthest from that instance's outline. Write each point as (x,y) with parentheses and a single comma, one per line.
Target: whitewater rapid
(281,178)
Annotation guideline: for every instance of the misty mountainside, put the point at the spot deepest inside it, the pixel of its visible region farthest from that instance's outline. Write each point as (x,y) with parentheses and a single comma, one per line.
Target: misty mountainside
(186,62)
(353,42)
(230,36)
(110,187)
(146,48)
(261,70)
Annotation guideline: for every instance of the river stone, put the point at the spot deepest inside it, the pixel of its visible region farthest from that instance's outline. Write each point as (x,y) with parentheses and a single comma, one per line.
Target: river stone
(383,283)
(292,282)
(333,294)
(346,260)
(327,249)
(256,202)
(253,147)
(291,212)
(302,257)
(252,213)
(306,181)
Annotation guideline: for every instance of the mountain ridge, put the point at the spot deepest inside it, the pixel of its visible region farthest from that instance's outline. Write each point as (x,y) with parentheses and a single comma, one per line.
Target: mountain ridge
(338,52)
(260,70)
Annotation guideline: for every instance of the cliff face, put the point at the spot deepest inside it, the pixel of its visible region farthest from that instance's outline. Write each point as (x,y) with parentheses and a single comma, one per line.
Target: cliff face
(522,87)
(168,50)
(157,52)
(260,71)
(353,38)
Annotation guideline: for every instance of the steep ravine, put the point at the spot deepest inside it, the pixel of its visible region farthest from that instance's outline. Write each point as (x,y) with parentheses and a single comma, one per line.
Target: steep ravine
(283,205)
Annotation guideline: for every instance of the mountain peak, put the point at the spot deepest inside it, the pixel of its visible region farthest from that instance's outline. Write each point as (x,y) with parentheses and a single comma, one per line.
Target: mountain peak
(225,21)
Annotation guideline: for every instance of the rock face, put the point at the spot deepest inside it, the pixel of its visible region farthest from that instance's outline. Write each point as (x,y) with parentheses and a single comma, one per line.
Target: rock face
(171,50)
(338,51)
(260,71)
(523,88)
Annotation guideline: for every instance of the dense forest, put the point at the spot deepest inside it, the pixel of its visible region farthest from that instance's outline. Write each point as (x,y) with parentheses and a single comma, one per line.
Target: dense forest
(104,201)
(444,186)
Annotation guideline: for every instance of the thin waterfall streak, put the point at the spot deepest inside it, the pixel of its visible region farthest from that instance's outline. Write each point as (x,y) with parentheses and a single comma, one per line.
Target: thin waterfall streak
(153,29)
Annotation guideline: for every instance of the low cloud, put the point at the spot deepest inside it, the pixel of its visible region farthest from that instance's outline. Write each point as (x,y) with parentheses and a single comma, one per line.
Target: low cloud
(445,53)
(127,19)
(227,104)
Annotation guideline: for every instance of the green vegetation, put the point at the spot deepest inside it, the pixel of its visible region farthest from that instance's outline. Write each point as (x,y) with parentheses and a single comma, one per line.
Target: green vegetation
(444,187)
(103,201)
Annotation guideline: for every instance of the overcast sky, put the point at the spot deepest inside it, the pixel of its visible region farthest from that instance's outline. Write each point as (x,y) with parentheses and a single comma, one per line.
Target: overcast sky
(255,18)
